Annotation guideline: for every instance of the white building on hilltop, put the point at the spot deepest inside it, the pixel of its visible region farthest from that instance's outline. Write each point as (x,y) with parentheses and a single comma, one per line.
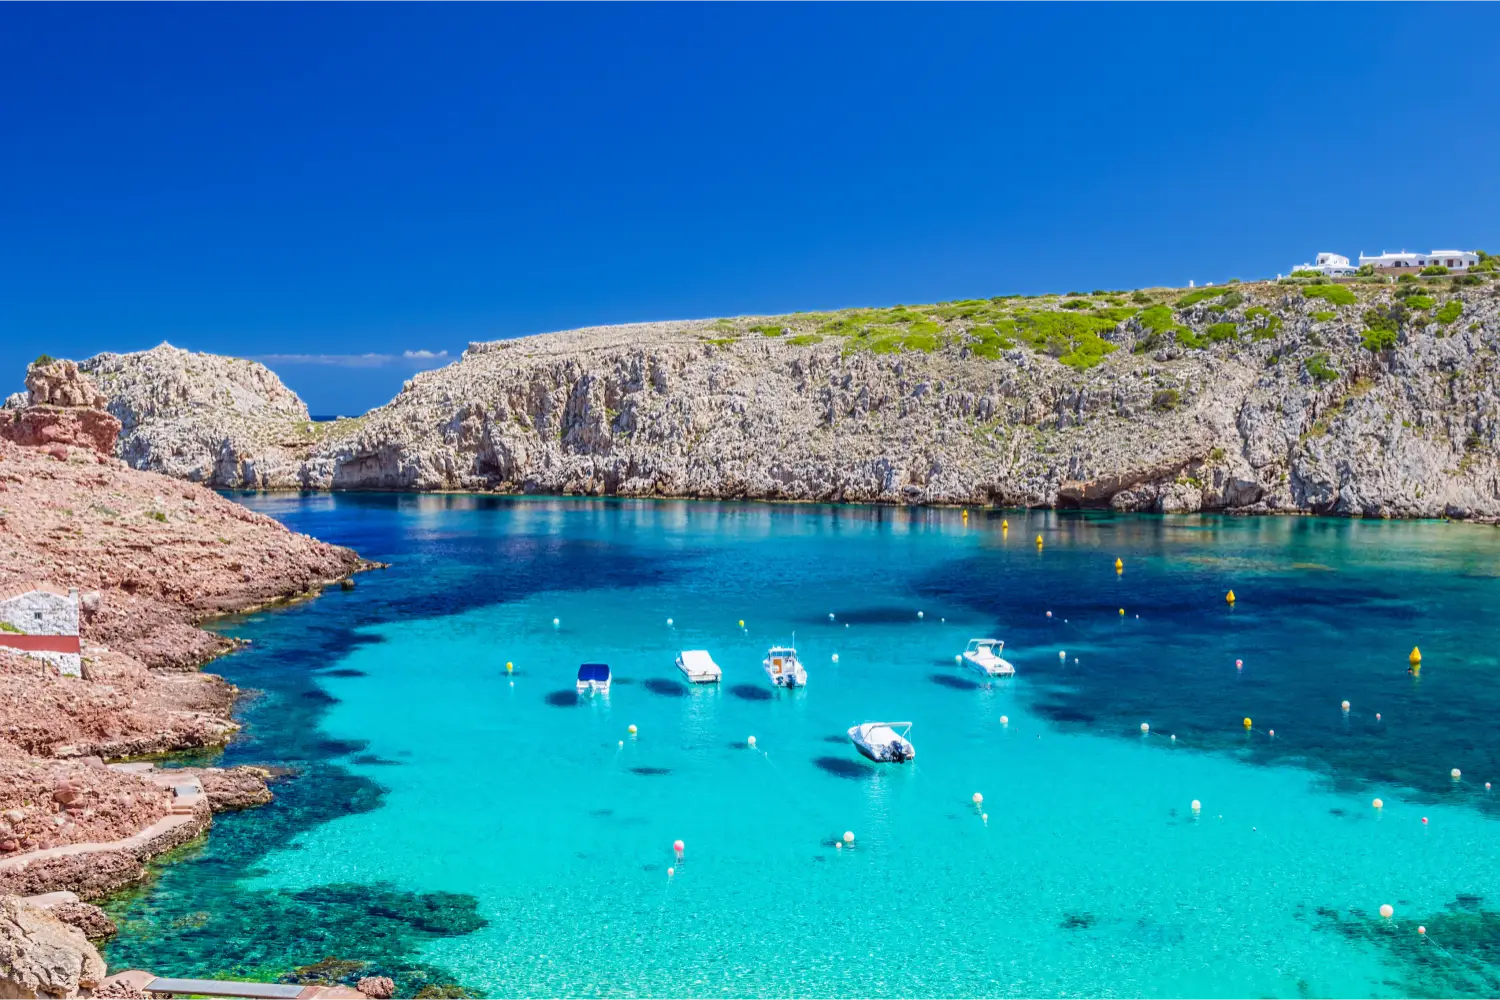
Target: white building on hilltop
(1396,263)
(1331,264)
(42,622)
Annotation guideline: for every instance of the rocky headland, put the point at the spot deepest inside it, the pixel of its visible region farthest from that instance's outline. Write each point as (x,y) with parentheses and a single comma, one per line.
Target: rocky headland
(150,557)
(1365,398)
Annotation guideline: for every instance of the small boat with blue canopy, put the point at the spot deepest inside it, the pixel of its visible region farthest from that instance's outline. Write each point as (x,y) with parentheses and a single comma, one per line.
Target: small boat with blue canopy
(593,677)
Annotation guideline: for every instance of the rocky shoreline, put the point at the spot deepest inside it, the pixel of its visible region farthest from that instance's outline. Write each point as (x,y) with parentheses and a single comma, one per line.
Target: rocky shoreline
(1358,399)
(149,558)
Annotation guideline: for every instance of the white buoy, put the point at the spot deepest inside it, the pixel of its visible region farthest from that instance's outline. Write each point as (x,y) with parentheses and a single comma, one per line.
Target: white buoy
(920,614)
(848,836)
(835,657)
(1173,737)
(750,741)
(830,616)
(556,622)
(1062,654)
(1197,806)
(1271,733)
(1238,664)
(839,844)
(1049,614)
(1378,804)
(1455,774)
(622,743)
(978,799)
(985,817)
(1377,716)
(671,872)
(1345,706)
(632,729)
(1387,911)
(1075,659)
(958,658)
(1145,727)
(669,623)
(1005,721)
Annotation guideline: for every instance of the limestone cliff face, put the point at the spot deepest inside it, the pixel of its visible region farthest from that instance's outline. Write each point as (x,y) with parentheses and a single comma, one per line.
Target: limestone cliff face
(199,416)
(1264,399)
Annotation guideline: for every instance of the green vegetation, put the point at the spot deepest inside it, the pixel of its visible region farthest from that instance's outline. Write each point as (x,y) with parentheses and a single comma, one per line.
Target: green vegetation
(1451,310)
(1325,316)
(1220,332)
(803,340)
(1306,274)
(1318,367)
(1070,338)
(1335,294)
(1116,314)
(1160,323)
(42,360)
(1231,300)
(156,515)
(1271,327)
(1077,304)
(769,329)
(1365,271)
(8,627)
(988,342)
(1166,399)
(1419,302)
(1386,319)
(1377,340)
(1198,295)
(1140,298)
(1433,270)
(1486,263)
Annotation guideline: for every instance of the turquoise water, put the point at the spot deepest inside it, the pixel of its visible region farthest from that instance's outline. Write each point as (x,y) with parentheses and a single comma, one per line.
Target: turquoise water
(531,833)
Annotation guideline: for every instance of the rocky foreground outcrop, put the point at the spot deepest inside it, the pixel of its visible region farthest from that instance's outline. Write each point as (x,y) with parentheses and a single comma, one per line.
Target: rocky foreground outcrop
(43,956)
(1376,400)
(150,557)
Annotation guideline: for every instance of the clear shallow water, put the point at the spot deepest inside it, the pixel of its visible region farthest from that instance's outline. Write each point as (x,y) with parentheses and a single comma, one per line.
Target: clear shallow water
(533,846)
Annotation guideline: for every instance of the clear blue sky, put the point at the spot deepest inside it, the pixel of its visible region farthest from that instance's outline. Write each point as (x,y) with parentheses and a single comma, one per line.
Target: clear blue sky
(339,180)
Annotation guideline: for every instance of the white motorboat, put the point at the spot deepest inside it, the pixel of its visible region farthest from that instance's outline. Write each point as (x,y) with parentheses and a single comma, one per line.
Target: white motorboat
(697,666)
(881,742)
(783,667)
(983,655)
(593,678)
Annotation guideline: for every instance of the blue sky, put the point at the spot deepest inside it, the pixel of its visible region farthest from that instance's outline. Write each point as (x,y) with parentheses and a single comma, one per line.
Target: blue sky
(339,187)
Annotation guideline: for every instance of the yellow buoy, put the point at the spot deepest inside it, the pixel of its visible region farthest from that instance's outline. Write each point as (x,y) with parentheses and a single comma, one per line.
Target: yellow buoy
(742,623)
(1247,723)
(1229,597)
(509,666)
(1119,566)
(1122,612)
(632,729)
(1004,523)
(1415,657)
(1038,541)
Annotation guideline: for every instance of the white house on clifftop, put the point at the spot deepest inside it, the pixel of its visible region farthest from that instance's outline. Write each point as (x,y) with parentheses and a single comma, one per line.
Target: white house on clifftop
(1453,260)
(42,621)
(1331,264)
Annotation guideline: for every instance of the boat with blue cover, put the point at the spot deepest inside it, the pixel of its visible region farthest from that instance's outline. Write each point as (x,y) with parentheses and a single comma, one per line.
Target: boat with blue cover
(593,677)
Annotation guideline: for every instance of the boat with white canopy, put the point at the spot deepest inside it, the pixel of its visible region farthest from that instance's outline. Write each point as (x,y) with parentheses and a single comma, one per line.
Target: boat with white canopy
(698,667)
(983,655)
(882,743)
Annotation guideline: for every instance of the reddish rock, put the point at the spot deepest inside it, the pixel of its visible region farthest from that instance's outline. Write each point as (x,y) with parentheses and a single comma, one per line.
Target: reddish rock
(55,428)
(87,917)
(378,987)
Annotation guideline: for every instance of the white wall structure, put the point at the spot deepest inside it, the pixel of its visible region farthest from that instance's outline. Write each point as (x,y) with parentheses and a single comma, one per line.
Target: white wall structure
(1331,264)
(1453,260)
(42,621)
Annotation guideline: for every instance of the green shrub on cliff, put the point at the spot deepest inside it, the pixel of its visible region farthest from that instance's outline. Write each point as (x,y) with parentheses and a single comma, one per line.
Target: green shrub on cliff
(1163,400)
(1376,341)
(988,341)
(1318,367)
(768,329)
(1336,294)
(1419,302)
(1433,270)
(42,360)
(1220,332)
(1451,310)
(1198,295)
(1325,316)
(1070,338)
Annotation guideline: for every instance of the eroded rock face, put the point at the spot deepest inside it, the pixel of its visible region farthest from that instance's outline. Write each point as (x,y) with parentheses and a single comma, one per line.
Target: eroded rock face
(41,956)
(1292,412)
(86,917)
(62,408)
(60,383)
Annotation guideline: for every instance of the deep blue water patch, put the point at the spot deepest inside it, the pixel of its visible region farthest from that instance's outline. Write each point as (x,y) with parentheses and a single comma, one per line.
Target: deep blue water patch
(1318,620)
(750,692)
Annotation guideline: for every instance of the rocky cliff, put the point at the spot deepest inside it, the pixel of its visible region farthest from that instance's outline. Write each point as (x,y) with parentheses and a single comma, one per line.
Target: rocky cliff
(1369,399)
